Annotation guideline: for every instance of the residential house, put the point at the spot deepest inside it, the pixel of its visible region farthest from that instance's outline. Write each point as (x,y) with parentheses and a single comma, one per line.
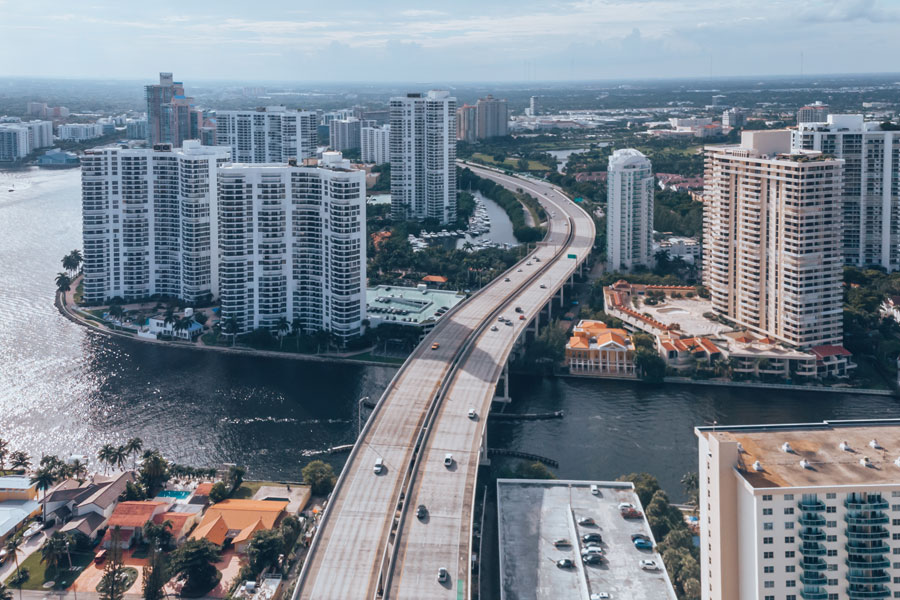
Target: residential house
(18,503)
(683,354)
(596,349)
(130,518)
(91,512)
(235,521)
(182,523)
(158,326)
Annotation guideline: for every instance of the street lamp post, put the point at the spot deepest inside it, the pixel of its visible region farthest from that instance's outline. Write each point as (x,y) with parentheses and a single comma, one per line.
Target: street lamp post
(359,416)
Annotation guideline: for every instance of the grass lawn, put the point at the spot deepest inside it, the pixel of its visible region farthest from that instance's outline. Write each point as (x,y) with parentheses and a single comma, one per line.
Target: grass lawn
(512,163)
(63,579)
(248,488)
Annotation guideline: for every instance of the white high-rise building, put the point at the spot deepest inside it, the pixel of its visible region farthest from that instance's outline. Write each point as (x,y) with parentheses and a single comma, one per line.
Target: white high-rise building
(149,222)
(816,112)
(80,132)
(870,204)
(423,157)
(629,210)
(375,146)
(13,142)
(344,134)
(791,512)
(772,251)
(292,245)
(267,135)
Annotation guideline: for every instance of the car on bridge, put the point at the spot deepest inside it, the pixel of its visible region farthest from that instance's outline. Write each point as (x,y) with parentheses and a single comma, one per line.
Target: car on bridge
(421,512)
(435,346)
(448,460)
(565,563)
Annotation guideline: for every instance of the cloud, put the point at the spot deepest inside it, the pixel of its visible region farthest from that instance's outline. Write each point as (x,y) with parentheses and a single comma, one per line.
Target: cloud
(846,11)
(414,13)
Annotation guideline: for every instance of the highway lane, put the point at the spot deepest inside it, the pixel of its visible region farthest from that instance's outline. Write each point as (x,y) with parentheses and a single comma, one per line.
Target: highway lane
(348,551)
(443,539)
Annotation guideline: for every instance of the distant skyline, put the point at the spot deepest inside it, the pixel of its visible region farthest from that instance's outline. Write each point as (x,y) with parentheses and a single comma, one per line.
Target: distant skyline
(399,40)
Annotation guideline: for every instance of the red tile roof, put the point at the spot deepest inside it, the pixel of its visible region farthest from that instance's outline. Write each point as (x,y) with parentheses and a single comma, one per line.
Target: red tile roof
(203,489)
(826,351)
(133,514)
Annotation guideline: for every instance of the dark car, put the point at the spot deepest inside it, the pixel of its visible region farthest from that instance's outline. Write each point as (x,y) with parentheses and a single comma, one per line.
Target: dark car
(592,559)
(565,563)
(640,536)
(592,538)
(421,511)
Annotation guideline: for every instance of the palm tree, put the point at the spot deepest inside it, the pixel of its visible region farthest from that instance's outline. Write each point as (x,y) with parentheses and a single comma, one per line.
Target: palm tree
(105,455)
(134,447)
(13,543)
(4,450)
(72,261)
(19,460)
(44,478)
(116,311)
(5,594)
(283,327)
(231,327)
(120,455)
(181,325)
(79,470)
(63,283)
(468,246)
(52,550)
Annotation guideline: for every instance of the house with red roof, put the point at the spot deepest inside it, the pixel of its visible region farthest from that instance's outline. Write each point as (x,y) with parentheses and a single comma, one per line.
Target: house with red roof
(595,349)
(683,354)
(130,518)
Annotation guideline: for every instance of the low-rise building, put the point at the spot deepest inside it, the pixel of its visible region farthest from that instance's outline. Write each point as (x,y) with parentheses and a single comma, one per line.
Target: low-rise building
(686,248)
(130,517)
(18,503)
(80,132)
(595,349)
(752,356)
(236,521)
(684,354)
(420,306)
(159,325)
(58,158)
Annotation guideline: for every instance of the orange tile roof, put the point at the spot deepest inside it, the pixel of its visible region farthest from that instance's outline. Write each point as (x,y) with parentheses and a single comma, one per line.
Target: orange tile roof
(435,279)
(133,514)
(237,515)
(203,489)
(177,519)
(579,342)
(248,531)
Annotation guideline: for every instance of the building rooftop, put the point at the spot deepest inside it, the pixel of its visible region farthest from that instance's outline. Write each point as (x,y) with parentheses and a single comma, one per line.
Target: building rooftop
(407,305)
(15,482)
(833,452)
(533,514)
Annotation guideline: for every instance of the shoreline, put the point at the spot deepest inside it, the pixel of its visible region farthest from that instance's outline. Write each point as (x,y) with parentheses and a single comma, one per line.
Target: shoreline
(65,311)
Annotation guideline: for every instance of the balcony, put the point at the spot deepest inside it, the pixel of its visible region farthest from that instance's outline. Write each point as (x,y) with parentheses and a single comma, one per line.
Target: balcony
(814,594)
(878,563)
(812,549)
(877,519)
(878,592)
(816,564)
(813,578)
(812,535)
(812,505)
(874,549)
(879,533)
(861,504)
(812,521)
(880,577)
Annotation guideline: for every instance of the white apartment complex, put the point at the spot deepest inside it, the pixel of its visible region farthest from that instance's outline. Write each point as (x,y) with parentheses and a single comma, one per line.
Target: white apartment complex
(80,132)
(870,204)
(292,245)
(816,112)
(344,134)
(772,222)
(423,157)
(805,511)
(149,222)
(20,138)
(272,134)
(375,144)
(629,211)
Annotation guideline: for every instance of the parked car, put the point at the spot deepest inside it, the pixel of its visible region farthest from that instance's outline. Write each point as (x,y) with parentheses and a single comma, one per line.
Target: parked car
(587,521)
(640,536)
(421,511)
(443,575)
(625,505)
(595,490)
(592,559)
(565,563)
(448,460)
(562,542)
(592,538)
(649,565)
(591,549)
(599,596)
(543,286)
(643,544)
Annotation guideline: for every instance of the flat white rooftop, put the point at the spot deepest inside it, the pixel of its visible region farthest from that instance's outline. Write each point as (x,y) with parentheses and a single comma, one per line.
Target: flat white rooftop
(533,514)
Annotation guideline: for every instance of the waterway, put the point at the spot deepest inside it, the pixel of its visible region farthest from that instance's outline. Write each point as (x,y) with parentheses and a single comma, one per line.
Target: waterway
(66,390)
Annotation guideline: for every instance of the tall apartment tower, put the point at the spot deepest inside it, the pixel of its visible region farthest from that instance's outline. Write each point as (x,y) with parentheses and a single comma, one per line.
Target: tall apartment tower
(772,223)
(629,212)
(423,157)
(292,245)
(272,134)
(149,222)
(171,117)
(375,144)
(870,204)
(466,123)
(812,113)
(534,105)
(800,511)
(345,134)
(492,118)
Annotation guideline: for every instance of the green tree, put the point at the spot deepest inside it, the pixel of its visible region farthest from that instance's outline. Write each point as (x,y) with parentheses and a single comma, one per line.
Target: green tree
(20,460)
(231,327)
(71,261)
(159,535)
(5,593)
(133,492)
(13,543)
(79,470)
(319,476)
(44,478)
(283,327)
(112,584)
(120,455)
(134,447)
(235,476)
(106,455)
(650,366)
(154,470)
(264,549)
(52,551)
(156,574)
(535,470)
(218,492)
(290,531)
(692,589)
(691,483)
(645,485)
(63,283)
(194,563)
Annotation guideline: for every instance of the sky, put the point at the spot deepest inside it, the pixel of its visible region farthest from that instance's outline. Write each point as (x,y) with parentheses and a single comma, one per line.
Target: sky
(457,41)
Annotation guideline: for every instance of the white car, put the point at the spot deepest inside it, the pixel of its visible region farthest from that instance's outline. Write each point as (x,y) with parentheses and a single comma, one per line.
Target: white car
(625,505)
(599,596)
(448,460)
(649,565)
(471,413)
(595,490)
(591,550)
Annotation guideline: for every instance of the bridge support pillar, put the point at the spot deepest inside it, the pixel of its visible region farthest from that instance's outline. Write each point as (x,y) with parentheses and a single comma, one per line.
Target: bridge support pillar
(483,458)
(502,392)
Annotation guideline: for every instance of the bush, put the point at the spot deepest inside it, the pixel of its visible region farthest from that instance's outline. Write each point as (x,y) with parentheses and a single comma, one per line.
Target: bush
(218,492)
(20,578)
(320,477)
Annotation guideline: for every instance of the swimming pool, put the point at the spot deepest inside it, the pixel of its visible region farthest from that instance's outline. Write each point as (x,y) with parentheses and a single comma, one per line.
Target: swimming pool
(178,495)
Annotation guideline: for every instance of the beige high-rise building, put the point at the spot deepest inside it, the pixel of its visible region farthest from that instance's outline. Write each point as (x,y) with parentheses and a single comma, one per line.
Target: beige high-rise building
(805,511)
(466,120)
(772,229)
(492,118)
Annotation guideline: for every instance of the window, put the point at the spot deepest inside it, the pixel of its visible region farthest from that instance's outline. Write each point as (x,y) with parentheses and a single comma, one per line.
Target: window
(790,568)
(767,526)
(832,582)
(789,511)
(789,525)
(769,569)
(830,538)
(895,507)
(789,539)
(895,551)
(895,536)
(789,554)
(767,540)
(831,524)
(830,496)
(767,497)
(788,496)
(832,567)
(830,509)
(831,553)
(769,584)
(768,555)
(895,494)
(767,511)
(790,583)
